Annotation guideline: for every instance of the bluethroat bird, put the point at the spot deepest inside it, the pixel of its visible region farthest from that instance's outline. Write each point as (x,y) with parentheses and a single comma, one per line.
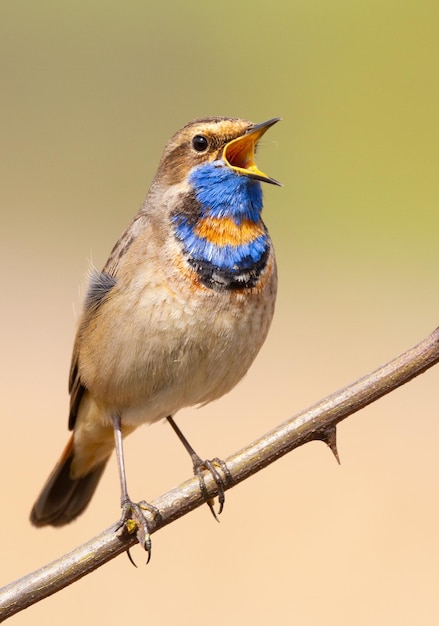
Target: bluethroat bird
(176,316)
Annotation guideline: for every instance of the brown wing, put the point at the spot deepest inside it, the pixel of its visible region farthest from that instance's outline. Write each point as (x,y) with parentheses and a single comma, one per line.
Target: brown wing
(100,285)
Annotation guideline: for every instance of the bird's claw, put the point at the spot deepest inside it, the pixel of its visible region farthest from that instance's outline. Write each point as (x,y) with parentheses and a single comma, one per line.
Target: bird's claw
(213,465)
(134,521)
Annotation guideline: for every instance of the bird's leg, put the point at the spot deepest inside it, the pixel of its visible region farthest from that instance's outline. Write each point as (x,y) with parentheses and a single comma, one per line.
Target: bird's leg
(199,466)
(132,517)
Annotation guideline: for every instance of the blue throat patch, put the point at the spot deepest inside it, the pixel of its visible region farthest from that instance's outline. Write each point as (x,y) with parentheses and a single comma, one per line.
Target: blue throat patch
(221,194)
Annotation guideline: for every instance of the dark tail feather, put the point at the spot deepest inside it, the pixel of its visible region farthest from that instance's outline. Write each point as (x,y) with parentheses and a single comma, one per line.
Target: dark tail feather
(63,498)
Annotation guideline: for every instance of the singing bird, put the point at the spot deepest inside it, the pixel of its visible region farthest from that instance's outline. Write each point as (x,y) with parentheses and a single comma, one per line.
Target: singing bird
(176,316)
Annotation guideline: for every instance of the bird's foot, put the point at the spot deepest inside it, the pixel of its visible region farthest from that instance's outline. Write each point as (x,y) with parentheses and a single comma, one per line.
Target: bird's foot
(133,521)
(222,480)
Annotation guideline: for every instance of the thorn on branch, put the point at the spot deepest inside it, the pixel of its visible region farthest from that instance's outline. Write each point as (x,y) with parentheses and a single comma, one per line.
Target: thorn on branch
(329,436)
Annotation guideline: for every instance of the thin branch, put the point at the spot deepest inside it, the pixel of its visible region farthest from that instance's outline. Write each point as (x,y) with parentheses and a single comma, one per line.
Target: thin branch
(317,422)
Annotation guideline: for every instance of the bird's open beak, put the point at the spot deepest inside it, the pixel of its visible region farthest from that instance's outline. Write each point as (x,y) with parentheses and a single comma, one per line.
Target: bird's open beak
(239,154)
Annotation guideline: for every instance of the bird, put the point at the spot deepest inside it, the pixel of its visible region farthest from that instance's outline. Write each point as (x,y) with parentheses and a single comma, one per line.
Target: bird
(176,316)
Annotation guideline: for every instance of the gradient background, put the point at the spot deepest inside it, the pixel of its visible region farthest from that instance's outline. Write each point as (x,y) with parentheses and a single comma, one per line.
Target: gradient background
(90,93)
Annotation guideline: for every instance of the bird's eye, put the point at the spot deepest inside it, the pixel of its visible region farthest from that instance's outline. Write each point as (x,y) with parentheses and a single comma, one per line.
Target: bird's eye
(200,143)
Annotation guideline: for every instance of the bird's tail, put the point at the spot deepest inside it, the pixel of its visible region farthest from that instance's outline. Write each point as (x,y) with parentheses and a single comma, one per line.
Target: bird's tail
(63,498)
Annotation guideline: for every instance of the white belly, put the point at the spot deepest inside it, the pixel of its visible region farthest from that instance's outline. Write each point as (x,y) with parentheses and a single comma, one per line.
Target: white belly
(147,356)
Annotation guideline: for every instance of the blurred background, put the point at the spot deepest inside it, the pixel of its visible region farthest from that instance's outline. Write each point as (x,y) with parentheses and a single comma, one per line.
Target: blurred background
(90,93)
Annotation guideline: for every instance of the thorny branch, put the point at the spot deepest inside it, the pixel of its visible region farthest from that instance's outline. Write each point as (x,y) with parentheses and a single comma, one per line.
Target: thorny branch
(317,422)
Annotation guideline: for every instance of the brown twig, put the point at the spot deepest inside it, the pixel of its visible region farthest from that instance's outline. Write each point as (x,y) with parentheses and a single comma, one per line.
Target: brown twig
(317,422)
